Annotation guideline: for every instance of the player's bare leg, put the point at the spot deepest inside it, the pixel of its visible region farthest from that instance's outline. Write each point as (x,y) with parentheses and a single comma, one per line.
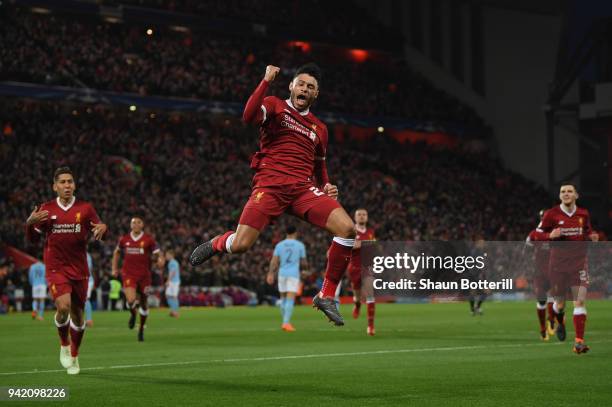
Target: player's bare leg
(77,330)
(38,308)
(62,322)
(341,226)
(287,302)
(130,298)
(580,315)
(230,242)
(143,310)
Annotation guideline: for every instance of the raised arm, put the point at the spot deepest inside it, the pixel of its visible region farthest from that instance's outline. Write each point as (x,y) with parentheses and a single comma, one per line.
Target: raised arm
(255,111)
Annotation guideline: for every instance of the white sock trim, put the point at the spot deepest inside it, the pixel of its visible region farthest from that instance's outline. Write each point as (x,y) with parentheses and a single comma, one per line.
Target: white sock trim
(555,308)
(57,324)
(550,299)
(580,311)
(344,242)
(370,300)
(78,328)
(143,312)
(540,306)
(229,241)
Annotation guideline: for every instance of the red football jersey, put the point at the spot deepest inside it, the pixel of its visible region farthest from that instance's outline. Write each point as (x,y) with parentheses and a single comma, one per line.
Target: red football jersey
(367,234)
(290,142)
(137,251)
(541,254)
(66,233)
(575,227)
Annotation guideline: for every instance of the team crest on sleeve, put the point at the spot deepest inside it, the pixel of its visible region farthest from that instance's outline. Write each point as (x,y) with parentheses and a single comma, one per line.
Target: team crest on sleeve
(258,196)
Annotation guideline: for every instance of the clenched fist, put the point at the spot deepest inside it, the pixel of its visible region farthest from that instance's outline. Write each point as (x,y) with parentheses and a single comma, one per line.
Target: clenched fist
(271,72)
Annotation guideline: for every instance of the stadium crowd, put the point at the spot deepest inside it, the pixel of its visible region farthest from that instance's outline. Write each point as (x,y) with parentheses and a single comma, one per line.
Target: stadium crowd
(54,49)
(188,175)
(341,21)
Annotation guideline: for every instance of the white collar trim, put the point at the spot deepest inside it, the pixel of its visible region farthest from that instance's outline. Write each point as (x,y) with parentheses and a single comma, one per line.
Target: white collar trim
(570,214)
(304,113)
(136,238)
(67,207)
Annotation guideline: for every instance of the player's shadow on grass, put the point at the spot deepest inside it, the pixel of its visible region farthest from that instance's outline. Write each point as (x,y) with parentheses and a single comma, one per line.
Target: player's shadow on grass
(219,385)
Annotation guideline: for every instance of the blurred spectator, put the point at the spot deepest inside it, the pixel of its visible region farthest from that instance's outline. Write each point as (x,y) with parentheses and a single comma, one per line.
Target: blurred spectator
(54,49)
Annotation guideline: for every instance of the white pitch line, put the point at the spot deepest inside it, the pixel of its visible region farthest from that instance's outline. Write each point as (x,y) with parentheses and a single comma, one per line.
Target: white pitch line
(290,357)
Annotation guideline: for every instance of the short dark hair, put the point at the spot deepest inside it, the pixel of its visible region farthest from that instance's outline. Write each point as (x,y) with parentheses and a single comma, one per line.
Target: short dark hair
(573,184)
(60,171)
(311,69)
(290,230)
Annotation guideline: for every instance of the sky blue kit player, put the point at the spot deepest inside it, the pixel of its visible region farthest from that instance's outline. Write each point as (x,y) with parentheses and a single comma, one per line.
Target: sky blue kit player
(290,252)
(289,255)
(173,283)
(90,285)
(36,277)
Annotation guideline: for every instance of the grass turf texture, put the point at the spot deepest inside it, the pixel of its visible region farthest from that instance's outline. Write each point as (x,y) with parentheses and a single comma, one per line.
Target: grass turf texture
(425,355)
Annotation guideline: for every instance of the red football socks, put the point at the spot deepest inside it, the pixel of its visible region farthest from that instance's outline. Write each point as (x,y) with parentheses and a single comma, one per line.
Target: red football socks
(542,318)
(220,243)
(579,324)
(76,336)
(63,331)
(371,310)
(338,258)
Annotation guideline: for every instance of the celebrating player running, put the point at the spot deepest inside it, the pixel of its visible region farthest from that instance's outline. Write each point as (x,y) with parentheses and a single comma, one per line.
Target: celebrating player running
(65,223)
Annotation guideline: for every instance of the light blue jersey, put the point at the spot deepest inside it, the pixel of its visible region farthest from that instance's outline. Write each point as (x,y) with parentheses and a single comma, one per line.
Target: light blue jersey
(36,275)
(290,252)
(90,267)
(174,273)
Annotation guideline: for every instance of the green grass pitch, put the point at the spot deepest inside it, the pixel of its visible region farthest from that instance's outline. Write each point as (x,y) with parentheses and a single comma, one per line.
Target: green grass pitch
(423,355)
